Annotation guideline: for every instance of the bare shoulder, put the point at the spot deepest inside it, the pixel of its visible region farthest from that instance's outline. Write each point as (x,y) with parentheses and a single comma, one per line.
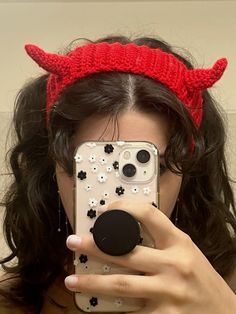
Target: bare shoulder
(231,280)
(6,307)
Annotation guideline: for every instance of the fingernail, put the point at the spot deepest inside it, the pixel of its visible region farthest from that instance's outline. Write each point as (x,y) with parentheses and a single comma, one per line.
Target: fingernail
(71,281)
(102,208)
(73,241)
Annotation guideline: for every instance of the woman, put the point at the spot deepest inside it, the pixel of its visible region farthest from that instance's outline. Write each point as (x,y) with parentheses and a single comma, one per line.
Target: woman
(127,92)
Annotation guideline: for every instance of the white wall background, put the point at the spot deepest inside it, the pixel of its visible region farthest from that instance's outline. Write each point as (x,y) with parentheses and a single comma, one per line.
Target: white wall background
(206,28)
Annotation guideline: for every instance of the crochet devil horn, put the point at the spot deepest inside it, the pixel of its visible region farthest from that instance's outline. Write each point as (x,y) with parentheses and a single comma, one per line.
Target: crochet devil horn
(199,79)
(53,63)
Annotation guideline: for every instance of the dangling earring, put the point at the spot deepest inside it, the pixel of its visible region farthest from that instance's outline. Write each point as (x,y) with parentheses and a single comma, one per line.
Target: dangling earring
(176,212)
(59,216)
(59,212)
(66,223)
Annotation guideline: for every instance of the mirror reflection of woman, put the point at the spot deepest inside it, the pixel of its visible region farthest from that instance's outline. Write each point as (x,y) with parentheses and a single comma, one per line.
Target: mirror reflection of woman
(121,89)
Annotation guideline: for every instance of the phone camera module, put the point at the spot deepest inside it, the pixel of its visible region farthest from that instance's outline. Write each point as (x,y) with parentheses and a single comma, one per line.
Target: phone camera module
(143,156)
(129,170)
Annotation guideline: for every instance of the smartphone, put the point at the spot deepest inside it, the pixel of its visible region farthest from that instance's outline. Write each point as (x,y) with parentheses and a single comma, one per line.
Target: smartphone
(104,172)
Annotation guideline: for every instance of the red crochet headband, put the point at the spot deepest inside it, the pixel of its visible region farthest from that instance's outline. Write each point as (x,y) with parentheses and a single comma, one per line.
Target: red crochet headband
(152,62)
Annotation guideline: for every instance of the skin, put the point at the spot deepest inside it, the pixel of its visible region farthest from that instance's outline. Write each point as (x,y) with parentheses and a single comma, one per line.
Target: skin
(178,278)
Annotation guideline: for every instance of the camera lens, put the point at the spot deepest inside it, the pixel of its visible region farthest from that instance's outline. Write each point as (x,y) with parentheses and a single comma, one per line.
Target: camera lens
(143,156)
(129,170)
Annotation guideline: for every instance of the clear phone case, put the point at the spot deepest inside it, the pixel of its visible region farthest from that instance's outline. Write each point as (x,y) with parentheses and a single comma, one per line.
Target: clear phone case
(104,172)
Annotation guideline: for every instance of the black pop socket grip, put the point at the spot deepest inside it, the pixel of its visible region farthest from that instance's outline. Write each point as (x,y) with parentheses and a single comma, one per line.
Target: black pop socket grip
(116,232)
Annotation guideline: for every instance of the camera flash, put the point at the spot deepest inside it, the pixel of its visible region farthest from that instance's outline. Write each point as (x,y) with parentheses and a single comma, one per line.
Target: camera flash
(126,154)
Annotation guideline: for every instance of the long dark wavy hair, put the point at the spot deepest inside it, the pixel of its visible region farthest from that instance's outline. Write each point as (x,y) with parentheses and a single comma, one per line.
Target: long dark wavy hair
(206,203)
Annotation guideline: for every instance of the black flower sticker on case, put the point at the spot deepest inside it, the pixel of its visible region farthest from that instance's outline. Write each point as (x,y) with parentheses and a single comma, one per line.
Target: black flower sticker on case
(83,258)
(120,190)
(91,213)
(108,149)
(82,175)
(91,229)
(93,301)
(102,202)
(115,165)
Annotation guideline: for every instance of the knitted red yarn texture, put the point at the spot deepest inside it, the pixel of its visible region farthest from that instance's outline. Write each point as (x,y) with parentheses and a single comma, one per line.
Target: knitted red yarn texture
(164,67)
